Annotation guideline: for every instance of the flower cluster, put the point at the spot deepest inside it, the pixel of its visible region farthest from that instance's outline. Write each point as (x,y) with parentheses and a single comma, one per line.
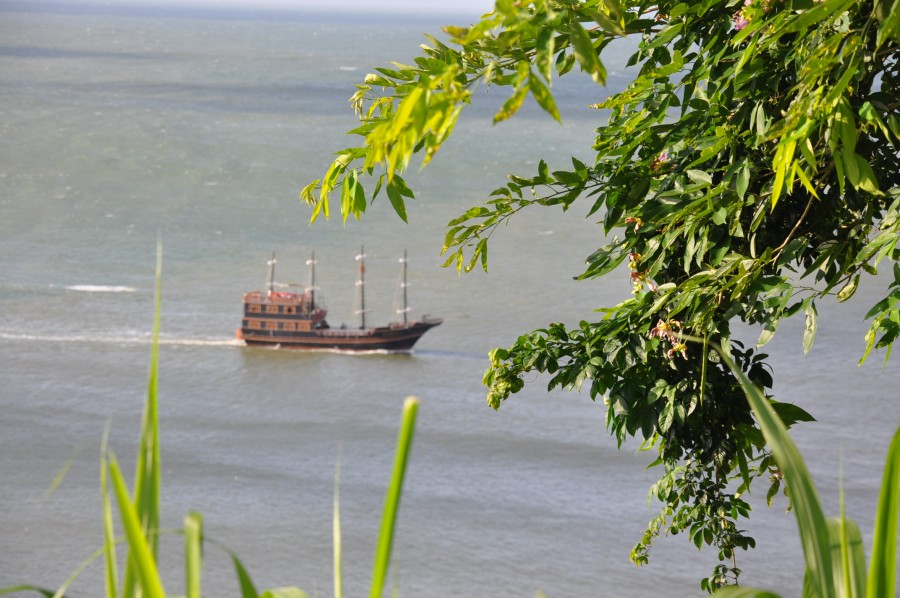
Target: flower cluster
(637,222)
(668,330)
(659,162)
(742,17)
(751,8)
(638,277)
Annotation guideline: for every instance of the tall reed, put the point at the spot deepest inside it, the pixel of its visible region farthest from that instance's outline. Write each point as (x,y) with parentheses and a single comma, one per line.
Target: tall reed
(833,549)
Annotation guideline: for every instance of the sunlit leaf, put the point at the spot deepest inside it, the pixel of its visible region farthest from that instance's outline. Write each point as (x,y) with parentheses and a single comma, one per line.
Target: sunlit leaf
(810,327)
(392,498)
(586,54)
(193,551)
(396,201)
(512,104)
(544,97)
(883,563)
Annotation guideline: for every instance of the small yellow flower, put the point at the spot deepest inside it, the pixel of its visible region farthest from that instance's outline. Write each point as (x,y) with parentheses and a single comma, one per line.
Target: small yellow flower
(676,349)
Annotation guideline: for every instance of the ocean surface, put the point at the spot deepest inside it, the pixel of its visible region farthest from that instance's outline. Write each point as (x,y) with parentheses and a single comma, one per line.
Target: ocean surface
(198,128)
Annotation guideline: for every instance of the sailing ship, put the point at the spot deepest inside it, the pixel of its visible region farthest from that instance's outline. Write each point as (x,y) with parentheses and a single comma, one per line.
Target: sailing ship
(296,320)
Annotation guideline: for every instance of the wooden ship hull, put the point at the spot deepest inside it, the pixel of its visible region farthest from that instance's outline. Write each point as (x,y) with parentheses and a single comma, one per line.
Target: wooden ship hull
(392,338)
(294,320)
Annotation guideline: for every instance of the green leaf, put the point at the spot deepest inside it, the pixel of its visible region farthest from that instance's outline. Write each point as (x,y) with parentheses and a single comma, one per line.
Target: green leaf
(140,550)
(867,181)
(784,158)
(666,416)
(193,554)
(512,104)
(790,413)
(348,187)
(586,54)
(849,289)
(819,12)
(545,45)
(544,97)
(359,198)
(248,590)
(809,330)
(372,79)
(27,588)
(396,199)
(890,27)
(768,332)
(667,34)
(773,491)
(743,180)
(848,557)
(109,530)
(608,23)
(699,176)
(392,499)
(883,563)
(284,593)
(720,216)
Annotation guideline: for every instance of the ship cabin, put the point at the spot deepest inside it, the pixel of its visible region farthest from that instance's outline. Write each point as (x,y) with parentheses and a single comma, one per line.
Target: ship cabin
(285,311)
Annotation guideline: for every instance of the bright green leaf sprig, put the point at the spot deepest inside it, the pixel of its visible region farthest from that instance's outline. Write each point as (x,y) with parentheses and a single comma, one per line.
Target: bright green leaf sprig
(412,109)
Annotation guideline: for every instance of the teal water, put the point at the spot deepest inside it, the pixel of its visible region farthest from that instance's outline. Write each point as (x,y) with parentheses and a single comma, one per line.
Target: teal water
(199,128)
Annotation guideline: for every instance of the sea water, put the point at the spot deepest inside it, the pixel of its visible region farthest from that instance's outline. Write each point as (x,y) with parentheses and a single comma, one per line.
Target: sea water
(196,129)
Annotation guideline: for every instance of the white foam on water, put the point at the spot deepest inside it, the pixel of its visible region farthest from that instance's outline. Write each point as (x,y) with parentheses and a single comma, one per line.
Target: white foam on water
(202,342)
(119,340)
(94,288)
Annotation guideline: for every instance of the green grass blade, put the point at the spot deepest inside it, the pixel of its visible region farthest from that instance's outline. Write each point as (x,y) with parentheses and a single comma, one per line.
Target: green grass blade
(284,593)
(848,558)
(883,567)
(248,590)
(61,474)
(61,592)
(336,532)
(193,554)
(807,508)
(392,499)
(147,477)
(139,550)
(26,588)
(111,573)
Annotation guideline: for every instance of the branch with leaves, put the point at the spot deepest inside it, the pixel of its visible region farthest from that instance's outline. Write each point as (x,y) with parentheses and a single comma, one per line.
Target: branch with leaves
(748,171)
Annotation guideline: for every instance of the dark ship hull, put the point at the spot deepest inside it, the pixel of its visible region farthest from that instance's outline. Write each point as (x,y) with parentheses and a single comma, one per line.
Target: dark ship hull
(394,338)
(295,320)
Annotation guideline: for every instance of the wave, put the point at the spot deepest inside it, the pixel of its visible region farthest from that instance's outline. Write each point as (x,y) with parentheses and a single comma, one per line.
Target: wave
(202,342)
(119,340)
(94,288)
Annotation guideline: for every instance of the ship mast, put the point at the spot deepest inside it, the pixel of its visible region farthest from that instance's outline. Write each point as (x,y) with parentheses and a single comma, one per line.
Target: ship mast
(403,286)
(311,262)
(271,264)
(361,283)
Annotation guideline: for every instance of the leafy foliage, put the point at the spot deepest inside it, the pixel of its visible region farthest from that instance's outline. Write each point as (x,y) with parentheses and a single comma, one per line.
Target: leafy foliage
(749,170)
